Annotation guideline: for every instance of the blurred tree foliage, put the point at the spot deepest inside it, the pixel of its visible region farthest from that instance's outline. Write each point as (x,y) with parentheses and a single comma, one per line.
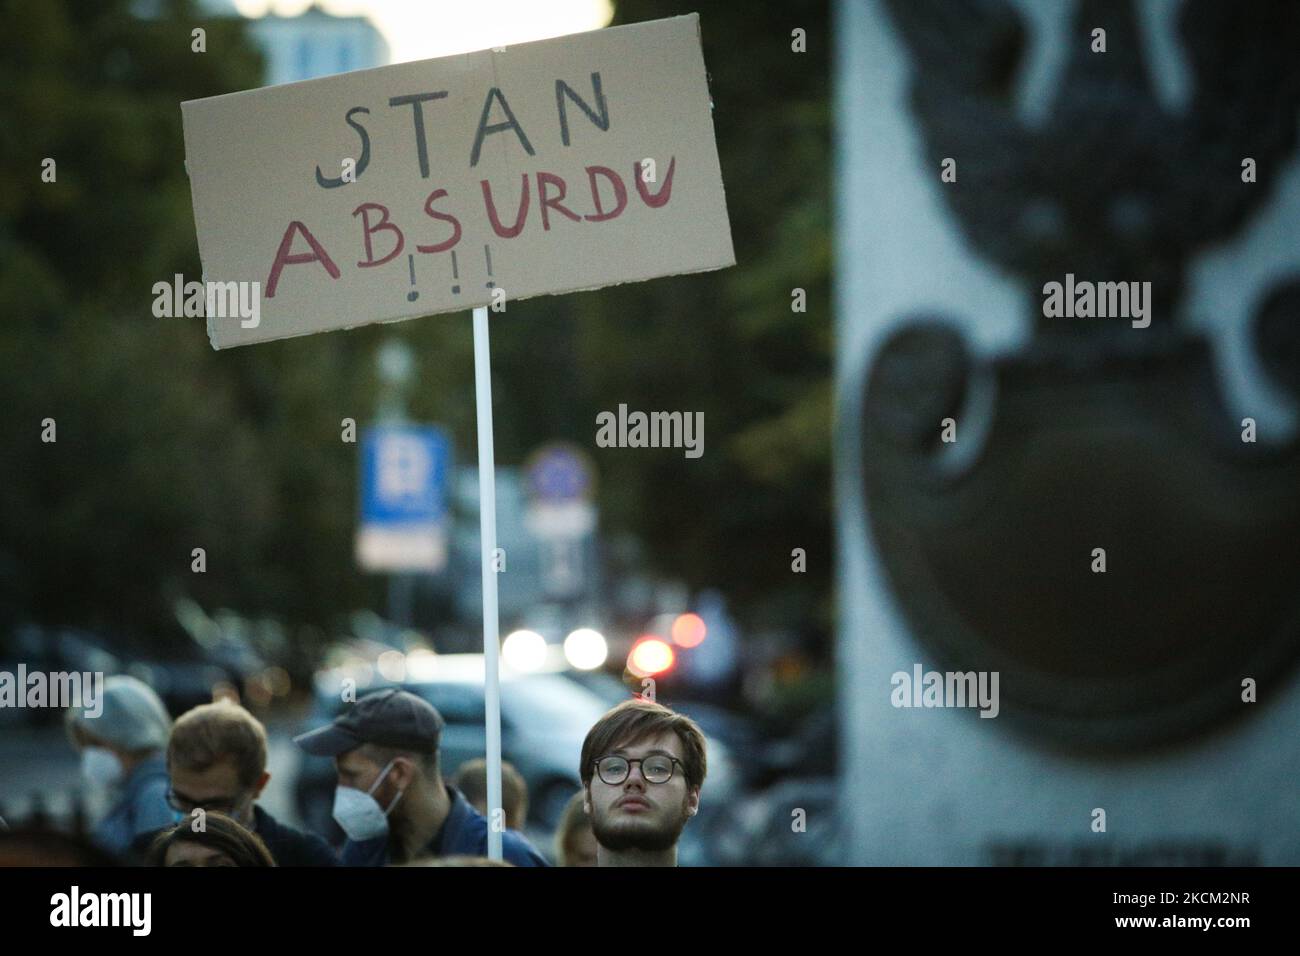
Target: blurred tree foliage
(165,446)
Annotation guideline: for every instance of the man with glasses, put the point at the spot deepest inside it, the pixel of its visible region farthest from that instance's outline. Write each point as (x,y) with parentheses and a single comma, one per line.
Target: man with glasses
(216,758)
(642,769)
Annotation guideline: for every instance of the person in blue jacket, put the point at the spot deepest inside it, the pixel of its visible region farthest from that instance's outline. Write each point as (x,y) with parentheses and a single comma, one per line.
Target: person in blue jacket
(123,751)
(391,800)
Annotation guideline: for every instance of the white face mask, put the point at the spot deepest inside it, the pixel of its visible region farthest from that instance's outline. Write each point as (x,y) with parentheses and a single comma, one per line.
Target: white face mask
(359,814)
(100,767)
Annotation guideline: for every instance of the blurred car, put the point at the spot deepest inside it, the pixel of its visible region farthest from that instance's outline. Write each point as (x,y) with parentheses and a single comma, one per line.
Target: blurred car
(811,749)
(544,720)
(794,823)
(26,646)
(168,660)
(183,674)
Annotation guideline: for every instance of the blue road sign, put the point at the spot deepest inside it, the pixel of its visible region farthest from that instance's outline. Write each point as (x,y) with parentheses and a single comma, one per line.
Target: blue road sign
(559,473)
(404,474)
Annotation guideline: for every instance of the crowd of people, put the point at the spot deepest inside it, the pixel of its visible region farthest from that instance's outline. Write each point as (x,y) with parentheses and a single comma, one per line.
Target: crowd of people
(186,792)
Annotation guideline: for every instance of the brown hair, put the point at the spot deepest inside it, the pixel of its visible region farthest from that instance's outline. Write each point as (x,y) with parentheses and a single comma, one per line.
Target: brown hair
(471,781)
(219,731)
(221,833)
(635,720)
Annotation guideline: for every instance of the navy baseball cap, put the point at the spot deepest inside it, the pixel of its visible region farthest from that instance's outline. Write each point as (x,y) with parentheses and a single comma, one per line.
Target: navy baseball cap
(388,718)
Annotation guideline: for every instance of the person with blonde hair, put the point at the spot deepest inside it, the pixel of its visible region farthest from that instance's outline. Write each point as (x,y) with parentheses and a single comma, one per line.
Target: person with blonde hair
(575,844)
(217,761)
(471,781)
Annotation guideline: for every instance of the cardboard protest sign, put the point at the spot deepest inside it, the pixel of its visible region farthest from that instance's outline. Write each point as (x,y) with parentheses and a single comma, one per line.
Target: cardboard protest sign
(446,184)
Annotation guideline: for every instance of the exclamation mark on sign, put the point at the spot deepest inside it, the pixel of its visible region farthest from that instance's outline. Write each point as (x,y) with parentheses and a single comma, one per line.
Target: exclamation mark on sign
(487,251)
(412,295)
(455,274)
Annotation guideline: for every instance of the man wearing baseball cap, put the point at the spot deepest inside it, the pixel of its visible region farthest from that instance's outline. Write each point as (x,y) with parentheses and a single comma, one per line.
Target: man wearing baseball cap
(391,799)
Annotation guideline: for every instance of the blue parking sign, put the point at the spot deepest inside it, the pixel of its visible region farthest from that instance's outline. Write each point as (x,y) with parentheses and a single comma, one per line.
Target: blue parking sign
(404,474)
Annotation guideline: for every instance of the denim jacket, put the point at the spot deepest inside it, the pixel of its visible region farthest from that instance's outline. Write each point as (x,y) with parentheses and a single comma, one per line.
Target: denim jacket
(141,807)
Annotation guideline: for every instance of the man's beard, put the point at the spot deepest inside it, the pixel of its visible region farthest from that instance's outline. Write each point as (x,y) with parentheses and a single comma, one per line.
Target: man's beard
(633,834)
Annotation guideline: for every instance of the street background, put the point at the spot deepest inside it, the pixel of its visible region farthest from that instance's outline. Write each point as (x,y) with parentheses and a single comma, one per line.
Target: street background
(164,446)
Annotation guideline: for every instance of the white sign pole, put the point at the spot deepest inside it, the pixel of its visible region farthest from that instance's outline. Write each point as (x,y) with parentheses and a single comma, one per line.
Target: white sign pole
(487,511)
